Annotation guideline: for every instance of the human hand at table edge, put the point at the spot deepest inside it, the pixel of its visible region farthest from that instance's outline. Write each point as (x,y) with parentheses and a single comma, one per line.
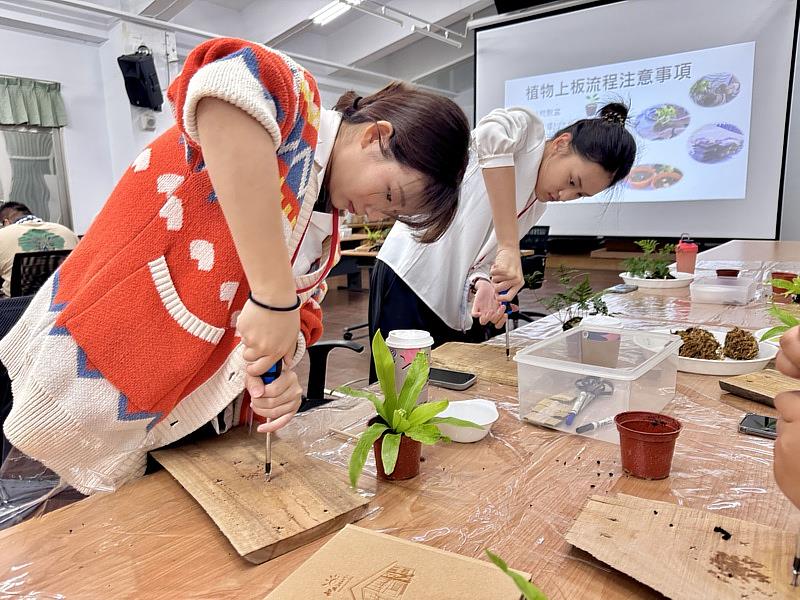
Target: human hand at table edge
(278,401)
(787,446)
(788,360)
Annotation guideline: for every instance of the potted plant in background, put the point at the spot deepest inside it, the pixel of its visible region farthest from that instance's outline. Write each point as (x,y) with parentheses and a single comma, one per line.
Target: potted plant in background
(653,264)
(576,300)
(375,239)
(401,426)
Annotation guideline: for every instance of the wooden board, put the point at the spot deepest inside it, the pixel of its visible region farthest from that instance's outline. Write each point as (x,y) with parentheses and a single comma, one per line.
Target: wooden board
(304,500)
(761,386)
(359,563)
(489,363)
(676,551)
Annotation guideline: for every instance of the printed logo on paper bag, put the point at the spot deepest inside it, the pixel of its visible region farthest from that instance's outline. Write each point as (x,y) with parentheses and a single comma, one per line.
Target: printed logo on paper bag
(389,583)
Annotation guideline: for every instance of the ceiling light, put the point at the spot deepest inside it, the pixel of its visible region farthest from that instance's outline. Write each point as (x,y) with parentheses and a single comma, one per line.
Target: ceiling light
(332,10)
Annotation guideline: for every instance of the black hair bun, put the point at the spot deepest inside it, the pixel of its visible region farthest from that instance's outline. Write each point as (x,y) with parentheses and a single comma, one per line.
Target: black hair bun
(614,112)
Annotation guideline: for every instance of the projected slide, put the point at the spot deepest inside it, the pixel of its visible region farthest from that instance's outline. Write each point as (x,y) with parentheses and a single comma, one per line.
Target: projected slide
(690,114)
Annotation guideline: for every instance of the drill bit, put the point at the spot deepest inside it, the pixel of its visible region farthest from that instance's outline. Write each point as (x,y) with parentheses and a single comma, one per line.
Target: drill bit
(268,378)
(268,457)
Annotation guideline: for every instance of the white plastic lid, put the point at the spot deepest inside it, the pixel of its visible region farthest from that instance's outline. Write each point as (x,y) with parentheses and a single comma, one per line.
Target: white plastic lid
(409,339)
(601,321)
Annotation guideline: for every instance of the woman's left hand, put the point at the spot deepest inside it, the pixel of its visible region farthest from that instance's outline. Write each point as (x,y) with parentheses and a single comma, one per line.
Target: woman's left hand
(507,273)
(278,401)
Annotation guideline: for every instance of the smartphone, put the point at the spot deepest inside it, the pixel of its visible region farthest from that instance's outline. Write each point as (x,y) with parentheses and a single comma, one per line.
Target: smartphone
(758,425)
(622,288)
(452,380)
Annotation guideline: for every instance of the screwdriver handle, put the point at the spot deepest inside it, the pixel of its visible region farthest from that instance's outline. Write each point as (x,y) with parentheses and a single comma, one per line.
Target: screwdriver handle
(273,373)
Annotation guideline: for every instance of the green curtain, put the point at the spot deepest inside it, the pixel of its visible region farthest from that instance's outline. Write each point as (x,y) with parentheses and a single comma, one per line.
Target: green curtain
(30,102)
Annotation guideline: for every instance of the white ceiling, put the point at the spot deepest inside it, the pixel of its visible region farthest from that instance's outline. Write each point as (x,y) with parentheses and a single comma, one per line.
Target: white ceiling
(354,39)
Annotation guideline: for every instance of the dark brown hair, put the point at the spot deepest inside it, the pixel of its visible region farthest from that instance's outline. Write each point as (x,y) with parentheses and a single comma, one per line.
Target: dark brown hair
(605,140)
(431,135)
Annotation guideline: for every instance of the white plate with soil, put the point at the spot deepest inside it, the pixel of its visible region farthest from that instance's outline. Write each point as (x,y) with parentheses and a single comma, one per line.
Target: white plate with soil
(681,280)
(726,367)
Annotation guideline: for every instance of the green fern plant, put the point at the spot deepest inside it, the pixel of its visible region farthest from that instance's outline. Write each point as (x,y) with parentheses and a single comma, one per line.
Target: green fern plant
(576,300)
(399,414)
(653,264)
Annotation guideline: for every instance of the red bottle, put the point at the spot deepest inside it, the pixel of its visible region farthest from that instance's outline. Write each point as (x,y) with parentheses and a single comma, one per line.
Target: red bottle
(686,254)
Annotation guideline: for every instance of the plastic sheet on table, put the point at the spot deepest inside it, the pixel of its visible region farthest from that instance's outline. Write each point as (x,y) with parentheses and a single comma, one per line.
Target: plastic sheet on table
(519,490)
(27,489)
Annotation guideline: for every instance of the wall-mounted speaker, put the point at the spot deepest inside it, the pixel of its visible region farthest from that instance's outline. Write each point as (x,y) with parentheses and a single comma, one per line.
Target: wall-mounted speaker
(141,80)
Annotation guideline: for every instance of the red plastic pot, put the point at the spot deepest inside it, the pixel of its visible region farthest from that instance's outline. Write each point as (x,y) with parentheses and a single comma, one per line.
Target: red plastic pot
(407,465)
(647,443)
(727,272)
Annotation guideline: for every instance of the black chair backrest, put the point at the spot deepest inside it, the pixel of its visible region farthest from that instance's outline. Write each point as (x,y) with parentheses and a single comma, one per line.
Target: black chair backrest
(32,269)
(536,239)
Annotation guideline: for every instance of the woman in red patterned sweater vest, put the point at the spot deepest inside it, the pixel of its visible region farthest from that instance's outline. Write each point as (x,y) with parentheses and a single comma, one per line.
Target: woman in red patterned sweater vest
(146,332)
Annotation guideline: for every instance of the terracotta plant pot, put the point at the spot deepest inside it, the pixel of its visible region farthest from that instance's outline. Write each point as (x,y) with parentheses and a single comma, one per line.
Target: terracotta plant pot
(727,272)
(407,465)
(647,443)
(777,293)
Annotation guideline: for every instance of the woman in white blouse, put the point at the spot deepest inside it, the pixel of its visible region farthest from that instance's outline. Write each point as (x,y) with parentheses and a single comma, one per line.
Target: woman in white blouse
(513,172)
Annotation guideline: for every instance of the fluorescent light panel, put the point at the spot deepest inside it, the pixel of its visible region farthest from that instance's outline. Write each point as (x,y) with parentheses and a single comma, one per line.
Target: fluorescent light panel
(332,10)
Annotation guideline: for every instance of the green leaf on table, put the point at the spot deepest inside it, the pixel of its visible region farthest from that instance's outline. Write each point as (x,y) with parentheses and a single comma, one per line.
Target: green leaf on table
(454,421)
(422,413)
(390,448)
(530,591)
(361,451)
(782,284)
(384,368)
(415,380)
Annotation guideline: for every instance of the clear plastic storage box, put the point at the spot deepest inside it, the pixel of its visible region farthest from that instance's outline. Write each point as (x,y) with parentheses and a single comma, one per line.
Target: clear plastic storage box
(579,380)
(723,290)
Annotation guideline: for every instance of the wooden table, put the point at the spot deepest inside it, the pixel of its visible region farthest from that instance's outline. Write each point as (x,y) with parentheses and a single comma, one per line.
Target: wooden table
(751,250)
(517,492)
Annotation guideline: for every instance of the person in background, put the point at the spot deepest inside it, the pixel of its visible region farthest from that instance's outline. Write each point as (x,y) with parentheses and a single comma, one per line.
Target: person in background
(207,263)
(23,231)
(513,170)
(787,446)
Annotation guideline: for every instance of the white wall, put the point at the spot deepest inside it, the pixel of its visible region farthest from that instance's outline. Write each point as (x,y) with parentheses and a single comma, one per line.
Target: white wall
(76,66)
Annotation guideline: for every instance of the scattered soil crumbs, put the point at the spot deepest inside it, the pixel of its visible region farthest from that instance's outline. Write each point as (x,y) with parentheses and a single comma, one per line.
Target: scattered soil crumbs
(738,567)
(740,345)
(725,534)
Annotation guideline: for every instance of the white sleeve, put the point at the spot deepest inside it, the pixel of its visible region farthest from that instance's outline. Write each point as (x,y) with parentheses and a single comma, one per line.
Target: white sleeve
(502,133)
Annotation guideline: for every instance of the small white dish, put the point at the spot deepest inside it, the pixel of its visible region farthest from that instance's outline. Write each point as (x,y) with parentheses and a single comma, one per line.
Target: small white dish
(775,341)
(727,367)
(479,411)
(681,280)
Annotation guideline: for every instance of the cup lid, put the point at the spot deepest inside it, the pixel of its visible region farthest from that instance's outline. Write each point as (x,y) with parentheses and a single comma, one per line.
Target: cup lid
(409,339)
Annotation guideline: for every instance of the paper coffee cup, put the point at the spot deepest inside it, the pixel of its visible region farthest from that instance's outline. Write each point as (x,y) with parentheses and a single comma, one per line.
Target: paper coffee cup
(404,345)
(598,346)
